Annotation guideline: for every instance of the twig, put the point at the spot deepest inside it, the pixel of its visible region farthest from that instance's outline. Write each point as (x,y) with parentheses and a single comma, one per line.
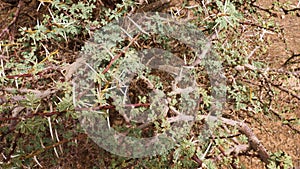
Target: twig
(14,146)
(120,54)
(252,52)
(197,160)
(205,51)
(290,58)
(262,71)
(179,116)
(286,11)
(38,93)
(284,119)
(37,152)
(6,29)
(41,114)
(286,90)
(40,74)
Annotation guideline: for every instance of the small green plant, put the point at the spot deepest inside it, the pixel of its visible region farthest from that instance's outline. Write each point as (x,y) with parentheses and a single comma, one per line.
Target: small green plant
(280,160)
(228,15)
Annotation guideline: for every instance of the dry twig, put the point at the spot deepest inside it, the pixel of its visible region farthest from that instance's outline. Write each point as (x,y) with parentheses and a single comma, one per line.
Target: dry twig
(6,29)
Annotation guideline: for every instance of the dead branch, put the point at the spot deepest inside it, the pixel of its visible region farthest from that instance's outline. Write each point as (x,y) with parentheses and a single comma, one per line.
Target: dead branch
(254,142)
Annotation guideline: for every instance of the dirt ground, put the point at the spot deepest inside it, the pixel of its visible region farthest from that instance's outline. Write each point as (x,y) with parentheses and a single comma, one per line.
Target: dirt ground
(281,46)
